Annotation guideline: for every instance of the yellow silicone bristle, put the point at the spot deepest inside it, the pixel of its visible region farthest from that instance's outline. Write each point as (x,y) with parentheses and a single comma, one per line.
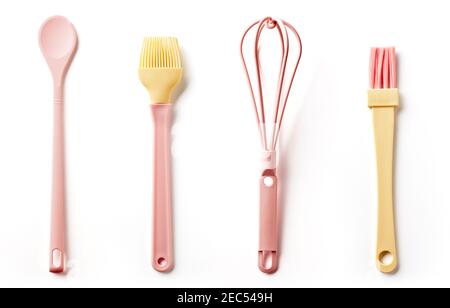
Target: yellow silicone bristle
(160,68)
(160,52)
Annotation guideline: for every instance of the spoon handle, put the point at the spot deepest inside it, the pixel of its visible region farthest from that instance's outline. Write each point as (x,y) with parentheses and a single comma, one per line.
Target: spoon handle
(58,223)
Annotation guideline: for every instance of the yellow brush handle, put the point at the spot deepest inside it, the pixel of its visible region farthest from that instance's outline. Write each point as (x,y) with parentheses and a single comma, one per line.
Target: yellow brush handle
(384,104)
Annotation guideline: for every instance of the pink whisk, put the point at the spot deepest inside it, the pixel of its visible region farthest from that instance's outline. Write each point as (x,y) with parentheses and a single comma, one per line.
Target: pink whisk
(268,256)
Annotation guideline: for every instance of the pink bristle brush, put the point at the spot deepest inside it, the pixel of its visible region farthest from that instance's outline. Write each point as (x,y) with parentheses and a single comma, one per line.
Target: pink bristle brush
(384,101)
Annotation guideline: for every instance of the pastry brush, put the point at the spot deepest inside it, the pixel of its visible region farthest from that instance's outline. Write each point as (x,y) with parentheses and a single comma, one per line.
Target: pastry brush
(160,72)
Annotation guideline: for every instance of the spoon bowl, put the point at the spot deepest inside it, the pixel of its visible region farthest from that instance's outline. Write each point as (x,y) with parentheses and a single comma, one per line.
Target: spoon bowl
(58,41)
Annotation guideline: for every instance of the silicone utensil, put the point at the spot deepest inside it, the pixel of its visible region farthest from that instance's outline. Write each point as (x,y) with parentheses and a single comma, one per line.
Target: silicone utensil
(160,72)
(58,42)
(269,230)
(384,100)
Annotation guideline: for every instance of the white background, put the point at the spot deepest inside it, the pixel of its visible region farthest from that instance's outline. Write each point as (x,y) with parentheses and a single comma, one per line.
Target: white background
(327,161)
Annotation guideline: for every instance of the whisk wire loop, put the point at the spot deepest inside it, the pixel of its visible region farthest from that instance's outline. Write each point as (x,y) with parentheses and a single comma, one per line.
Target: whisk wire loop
(284,87)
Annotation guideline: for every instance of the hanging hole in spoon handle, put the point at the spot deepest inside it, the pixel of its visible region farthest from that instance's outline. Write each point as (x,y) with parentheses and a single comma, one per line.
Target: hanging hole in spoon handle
(57,261)
(387,261)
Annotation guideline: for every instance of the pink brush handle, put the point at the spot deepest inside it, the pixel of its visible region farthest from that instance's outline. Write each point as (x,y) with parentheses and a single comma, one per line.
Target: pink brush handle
(58,223)
(163,260)
(268,236)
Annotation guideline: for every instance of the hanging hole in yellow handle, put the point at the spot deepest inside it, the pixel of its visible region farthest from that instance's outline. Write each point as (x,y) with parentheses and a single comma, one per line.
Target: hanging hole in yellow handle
(386,258)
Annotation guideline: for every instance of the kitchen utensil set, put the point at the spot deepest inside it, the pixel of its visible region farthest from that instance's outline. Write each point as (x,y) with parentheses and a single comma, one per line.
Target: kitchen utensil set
(160,72)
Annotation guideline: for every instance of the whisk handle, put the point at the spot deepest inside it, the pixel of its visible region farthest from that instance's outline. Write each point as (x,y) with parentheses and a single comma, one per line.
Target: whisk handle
(268,246)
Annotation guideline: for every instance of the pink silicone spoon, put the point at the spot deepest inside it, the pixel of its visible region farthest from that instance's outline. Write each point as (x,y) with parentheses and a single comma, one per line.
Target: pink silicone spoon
(58,42)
